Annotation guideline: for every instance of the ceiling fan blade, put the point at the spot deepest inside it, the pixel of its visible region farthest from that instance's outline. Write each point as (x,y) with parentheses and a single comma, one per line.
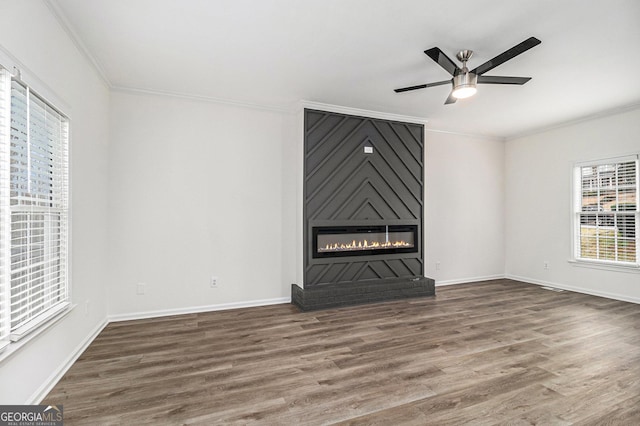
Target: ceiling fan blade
(443,60)
(422,86)
(451,99)
(406,89)
(507,55)
(493,79)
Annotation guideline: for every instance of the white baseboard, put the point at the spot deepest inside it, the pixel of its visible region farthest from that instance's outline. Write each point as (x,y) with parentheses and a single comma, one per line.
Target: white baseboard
(53,379)
(606,294)
(197,309)
(468,280)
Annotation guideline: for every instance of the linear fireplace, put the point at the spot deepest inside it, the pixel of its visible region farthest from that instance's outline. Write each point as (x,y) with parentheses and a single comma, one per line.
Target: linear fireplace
(340,241)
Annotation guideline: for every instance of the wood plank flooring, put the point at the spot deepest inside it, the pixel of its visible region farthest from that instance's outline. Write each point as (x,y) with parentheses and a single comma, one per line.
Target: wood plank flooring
(497,352)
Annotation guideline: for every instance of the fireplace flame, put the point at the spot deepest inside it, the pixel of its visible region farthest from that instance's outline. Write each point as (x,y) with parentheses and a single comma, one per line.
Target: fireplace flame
(363,245)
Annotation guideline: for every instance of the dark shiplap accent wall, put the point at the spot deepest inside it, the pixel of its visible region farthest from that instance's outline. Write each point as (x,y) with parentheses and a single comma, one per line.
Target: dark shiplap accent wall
(343,186)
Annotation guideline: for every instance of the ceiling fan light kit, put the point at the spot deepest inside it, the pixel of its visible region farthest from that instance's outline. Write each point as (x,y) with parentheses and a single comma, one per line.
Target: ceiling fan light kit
(463,91)
(464,82)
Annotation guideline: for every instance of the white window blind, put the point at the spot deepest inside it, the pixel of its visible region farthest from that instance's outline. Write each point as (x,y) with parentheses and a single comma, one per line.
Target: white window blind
(34,210)
(607,211)
(5,212)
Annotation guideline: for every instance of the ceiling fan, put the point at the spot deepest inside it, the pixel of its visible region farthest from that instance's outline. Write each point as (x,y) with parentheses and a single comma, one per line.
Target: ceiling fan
(464,81)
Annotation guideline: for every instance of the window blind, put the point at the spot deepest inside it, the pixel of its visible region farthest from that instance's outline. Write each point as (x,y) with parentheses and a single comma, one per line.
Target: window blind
(5,213)
(608,211)
(36,200)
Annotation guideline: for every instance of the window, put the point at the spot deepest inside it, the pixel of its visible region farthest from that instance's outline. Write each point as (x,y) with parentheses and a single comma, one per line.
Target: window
(33,210)
(606,211)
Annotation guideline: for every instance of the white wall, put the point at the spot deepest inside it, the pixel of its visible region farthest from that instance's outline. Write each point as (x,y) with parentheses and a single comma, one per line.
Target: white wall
(30,33)
(196,189)
(464,208)
(538,203)
(292,200)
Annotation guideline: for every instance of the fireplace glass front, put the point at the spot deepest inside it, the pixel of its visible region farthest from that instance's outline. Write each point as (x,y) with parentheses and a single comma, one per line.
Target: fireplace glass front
(337,241)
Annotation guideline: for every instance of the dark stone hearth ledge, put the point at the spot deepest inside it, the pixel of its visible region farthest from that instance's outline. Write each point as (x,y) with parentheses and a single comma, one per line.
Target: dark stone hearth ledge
(335,295)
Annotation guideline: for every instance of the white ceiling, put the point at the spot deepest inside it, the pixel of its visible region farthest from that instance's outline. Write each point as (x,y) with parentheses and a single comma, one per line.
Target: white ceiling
(274,53)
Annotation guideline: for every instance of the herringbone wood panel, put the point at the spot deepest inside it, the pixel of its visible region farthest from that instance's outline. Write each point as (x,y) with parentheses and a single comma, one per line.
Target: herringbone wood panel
(498,352)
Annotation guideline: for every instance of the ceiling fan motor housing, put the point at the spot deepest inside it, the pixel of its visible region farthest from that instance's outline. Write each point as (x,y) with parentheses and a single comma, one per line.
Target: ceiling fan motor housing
(464,82)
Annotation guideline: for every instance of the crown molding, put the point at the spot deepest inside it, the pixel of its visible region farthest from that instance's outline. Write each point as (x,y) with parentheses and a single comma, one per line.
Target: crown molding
(387,116)
(360,112)
(64,23)
(589,117)
(468,135)
(200,98)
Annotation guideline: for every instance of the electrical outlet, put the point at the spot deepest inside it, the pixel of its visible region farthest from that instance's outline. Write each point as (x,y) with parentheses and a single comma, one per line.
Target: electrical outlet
(140,288)
(546,264)
(214,282)
(438,265)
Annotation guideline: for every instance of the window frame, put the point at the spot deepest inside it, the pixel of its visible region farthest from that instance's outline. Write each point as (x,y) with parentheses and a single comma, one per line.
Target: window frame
(576,215)
(16,338)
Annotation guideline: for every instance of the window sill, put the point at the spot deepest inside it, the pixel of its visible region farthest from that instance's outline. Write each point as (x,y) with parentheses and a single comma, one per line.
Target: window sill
(7,349)
(607,266)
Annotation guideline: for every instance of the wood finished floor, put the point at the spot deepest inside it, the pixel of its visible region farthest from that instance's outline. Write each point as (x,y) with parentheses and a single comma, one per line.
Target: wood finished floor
(497,352)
